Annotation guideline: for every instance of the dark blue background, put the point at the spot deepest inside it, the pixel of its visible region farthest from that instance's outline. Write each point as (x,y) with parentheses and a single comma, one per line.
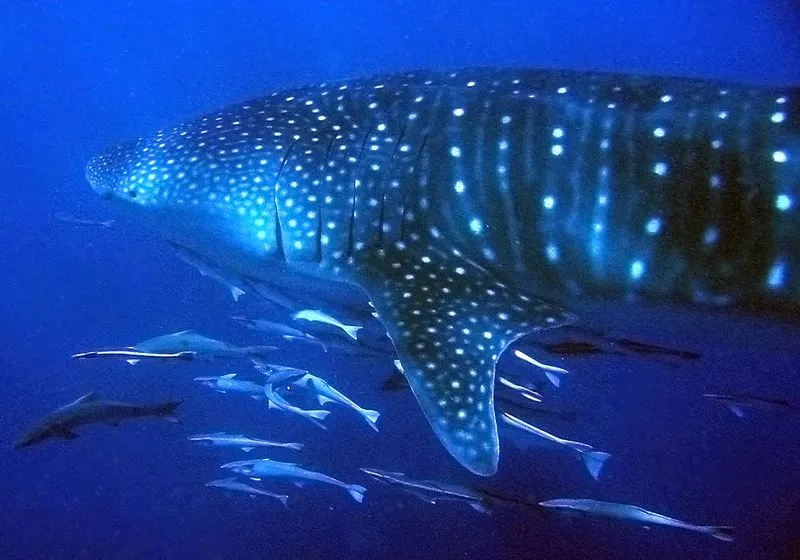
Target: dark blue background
(75,76)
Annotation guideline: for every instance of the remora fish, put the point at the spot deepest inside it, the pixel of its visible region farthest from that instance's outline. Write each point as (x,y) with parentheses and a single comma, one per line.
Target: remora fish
(432,491)
(90,409)
(453,199)
(277,375)
(208,268)
(245,443)
(325,394)
(737,403)
(236,486)
(228,382)
(281,330)
(593,459)
(190,341)
(75,221)
(269,468)
(134,355)
(635,513)
(316,316)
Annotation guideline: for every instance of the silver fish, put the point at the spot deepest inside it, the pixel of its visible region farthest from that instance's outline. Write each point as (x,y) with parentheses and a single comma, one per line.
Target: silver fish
(638,514)
(75,221)
(737,403)
(432,491)
(245,443)
(325,394)
(281,330)
(268,468)
(280,375)
(191,341)
(593,459)
(134,355)
(209,269)
(320,317)
(228,383)
(236,486)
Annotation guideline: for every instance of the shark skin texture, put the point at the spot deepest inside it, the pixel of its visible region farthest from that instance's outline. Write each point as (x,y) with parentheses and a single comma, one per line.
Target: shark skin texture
(464,204)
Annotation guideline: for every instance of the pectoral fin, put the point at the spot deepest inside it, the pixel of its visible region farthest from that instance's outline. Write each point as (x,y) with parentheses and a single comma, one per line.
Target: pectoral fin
(736,409)
(450,320)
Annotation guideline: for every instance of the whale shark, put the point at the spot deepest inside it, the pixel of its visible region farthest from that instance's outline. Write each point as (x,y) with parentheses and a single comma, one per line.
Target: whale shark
(470,207)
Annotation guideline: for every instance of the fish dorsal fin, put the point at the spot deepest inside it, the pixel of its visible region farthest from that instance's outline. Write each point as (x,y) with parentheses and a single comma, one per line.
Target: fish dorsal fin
(88,397)
(450,320)
(227,376)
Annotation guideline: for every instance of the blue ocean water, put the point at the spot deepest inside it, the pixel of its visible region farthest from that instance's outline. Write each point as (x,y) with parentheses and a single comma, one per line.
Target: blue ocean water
(78,76)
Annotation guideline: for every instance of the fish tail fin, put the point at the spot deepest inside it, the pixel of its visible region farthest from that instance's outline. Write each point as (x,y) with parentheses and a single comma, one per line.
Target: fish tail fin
(553,373)
(167,410)
(352,331)
(284,500)
(357,492)
(132,362)
(594,461)
(553,378)
(236,292)
(736,409)
(721,532)
(318,414)
(372,416)
(294,446)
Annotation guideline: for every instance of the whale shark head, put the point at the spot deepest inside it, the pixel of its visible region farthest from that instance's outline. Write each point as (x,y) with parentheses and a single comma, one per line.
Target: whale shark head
(117,174)
(206,185)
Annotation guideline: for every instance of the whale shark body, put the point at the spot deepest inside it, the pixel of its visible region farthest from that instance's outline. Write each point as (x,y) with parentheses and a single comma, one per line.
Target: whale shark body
(456,201)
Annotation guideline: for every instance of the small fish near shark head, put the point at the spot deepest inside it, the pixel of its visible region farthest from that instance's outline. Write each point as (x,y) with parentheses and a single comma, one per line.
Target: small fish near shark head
(454,199)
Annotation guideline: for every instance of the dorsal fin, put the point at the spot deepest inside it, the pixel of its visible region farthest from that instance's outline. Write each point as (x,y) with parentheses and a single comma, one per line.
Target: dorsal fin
(450,320)
(227,376)
(88,397)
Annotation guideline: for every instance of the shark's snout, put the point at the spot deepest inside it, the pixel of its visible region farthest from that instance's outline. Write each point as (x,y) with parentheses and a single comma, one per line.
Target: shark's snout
(117,173)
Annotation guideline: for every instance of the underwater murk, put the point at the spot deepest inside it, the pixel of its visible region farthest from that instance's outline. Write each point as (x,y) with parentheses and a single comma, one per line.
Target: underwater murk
(400,280)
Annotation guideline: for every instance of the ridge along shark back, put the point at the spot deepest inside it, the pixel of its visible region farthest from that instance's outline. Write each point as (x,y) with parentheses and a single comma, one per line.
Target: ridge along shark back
(454,200)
